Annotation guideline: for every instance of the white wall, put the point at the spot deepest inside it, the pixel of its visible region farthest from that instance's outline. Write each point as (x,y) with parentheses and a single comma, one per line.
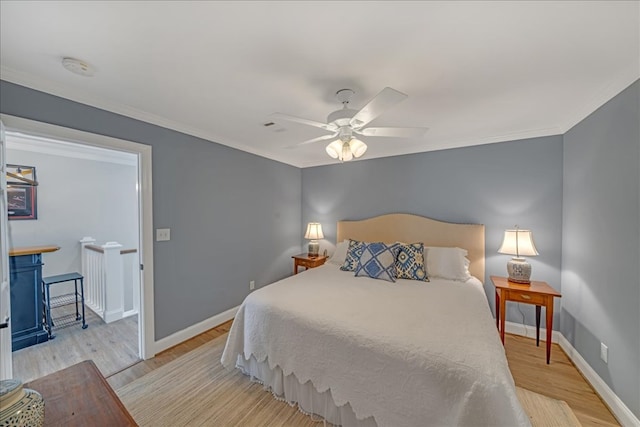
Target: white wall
(77,196)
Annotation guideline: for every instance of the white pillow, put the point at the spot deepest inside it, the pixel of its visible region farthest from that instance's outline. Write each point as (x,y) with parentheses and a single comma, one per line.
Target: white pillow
(340,254)
(447,263)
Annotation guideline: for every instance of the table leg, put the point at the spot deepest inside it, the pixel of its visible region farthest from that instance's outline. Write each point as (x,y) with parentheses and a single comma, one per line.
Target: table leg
(48,311)
(503,313)
(84,320)
(538,309)
(497,310)
(75,284)
(549,327)
(295,268)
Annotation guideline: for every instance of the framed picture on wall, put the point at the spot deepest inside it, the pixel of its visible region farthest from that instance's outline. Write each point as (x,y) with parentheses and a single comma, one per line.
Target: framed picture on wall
(22,202)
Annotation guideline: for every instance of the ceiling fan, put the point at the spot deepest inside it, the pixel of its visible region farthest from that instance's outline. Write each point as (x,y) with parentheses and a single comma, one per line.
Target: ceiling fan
(346,123)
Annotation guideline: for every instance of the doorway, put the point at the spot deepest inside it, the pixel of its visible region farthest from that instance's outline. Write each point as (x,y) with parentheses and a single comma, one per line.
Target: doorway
(142,155)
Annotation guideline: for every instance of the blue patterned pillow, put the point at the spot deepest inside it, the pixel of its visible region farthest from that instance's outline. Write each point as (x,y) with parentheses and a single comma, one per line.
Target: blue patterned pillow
(354,251)
(410,262)
(378,261)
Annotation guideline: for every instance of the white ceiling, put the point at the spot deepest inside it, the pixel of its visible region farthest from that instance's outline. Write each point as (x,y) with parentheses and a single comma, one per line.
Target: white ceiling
(475,72)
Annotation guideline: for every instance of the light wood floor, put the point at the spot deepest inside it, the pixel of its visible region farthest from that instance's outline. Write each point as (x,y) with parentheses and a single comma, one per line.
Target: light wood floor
(559,380)
(112,347)
(139,369)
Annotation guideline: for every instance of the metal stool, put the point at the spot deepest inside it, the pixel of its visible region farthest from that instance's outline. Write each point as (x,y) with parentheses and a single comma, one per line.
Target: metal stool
(61,300)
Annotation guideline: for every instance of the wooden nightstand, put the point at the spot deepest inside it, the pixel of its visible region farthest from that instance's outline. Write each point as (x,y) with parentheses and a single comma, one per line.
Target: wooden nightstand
(304,260)
(537,293)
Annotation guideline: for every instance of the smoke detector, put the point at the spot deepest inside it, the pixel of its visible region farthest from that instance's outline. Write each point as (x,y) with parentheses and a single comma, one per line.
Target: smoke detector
(78,67)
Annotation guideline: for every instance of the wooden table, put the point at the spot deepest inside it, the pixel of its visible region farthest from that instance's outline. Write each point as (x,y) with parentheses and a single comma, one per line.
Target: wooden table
(537,293)
(306,261)
(80,396)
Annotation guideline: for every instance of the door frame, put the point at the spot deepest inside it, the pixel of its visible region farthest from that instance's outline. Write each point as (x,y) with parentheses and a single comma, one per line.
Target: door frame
(146,335)
(6,362)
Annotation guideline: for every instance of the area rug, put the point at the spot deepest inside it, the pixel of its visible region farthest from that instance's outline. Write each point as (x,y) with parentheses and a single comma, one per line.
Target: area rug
(195,390)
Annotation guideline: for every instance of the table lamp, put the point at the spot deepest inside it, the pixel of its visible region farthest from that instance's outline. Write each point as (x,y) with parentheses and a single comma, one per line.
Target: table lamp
(518,242)
(314,232)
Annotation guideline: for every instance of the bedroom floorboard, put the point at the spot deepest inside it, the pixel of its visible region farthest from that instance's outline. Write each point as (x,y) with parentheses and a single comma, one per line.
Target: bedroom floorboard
(559,380)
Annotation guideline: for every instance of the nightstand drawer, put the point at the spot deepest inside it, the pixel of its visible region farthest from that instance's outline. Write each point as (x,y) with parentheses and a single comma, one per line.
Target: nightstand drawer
(307,262)
(526,297)
(304,260)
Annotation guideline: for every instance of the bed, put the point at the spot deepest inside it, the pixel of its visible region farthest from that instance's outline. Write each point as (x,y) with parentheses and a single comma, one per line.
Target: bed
(363,352)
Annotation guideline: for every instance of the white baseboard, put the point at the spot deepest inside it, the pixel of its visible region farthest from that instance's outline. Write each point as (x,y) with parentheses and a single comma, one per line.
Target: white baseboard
(192,331)
(617,406)
(129,313)
(113,315)
(530,331)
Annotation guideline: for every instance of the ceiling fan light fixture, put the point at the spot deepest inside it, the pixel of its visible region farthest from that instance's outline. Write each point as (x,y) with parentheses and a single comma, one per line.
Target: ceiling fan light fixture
(346,122)
(345,151)
(334,149)
(346,154)
(358,148)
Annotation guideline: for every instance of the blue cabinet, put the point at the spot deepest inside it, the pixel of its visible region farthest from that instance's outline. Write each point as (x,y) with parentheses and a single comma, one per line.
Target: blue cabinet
(27,306)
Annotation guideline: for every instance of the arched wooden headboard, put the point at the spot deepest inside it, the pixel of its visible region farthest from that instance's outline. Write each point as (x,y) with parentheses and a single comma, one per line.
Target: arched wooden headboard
(413,228)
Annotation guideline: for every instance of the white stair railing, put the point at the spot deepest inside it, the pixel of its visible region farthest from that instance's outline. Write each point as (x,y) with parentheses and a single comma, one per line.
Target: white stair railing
(106,281)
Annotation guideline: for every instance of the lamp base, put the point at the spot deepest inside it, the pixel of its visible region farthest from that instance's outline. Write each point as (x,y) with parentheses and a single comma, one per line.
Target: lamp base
(314,248)
(519,271)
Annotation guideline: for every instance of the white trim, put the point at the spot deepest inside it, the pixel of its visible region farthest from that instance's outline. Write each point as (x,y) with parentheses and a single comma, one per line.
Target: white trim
(610,90)
(443,145)
(129,313)
(18,141)
(47,86)
(113,315)
(193,330)
(617,406)
(530,331)
(146,336)
(616,85)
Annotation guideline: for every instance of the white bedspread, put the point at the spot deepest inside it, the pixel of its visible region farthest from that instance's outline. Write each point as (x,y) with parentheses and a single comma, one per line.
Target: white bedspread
(408,354)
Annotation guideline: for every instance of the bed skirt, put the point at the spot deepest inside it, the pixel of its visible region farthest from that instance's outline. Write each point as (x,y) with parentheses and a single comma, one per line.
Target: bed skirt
(309,401)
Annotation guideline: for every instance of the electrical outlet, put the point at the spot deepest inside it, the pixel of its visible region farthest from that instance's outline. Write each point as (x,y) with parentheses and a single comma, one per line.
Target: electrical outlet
(252,285)
(604,352)
(163,234)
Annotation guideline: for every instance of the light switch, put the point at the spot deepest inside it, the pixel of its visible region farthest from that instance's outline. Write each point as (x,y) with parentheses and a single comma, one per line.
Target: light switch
(163,234)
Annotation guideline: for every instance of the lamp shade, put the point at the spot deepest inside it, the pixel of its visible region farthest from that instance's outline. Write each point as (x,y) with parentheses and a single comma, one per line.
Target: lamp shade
(518,242)
(345,151)
(334,149)
(346,154)
(314,231)
(357,147)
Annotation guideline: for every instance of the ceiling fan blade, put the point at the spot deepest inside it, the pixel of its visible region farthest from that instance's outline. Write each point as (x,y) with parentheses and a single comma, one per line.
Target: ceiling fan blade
(386,99)
(397,132)
(318,139)
(280,116)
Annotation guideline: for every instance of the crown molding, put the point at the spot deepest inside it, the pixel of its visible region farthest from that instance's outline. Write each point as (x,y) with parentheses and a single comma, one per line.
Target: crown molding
(448,145)
(52,88)
(37,144)
(607,92)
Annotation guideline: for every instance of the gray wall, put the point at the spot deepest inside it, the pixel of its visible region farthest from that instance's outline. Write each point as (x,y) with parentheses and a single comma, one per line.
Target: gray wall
(499,185)
(233,216)
(601,246)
